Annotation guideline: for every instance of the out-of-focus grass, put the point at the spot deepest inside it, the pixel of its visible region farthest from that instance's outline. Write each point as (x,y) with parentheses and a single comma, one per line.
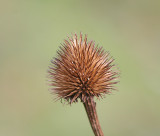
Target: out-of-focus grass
(30,34)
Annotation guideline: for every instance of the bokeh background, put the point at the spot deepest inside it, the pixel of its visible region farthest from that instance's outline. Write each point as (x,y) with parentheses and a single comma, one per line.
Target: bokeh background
(30,33)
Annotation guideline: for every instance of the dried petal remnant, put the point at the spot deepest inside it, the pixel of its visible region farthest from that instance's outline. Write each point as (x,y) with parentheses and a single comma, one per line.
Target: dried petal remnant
(81,70)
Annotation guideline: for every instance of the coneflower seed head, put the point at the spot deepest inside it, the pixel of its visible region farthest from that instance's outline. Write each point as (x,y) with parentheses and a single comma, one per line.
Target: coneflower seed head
(81,70)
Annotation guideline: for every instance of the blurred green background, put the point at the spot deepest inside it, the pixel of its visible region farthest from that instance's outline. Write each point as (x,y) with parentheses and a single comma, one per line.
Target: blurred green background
(30,33)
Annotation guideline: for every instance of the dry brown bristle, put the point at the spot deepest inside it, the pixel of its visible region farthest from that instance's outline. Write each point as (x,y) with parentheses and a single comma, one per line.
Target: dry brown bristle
(81,70)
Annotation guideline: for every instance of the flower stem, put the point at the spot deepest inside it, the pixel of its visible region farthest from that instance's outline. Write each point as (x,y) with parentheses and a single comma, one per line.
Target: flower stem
(90,107)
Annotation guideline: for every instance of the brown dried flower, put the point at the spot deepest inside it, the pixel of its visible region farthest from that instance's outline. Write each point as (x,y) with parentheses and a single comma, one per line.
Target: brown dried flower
(81,70)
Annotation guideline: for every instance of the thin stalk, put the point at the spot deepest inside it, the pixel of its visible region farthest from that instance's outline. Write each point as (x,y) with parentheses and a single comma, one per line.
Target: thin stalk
(90,107)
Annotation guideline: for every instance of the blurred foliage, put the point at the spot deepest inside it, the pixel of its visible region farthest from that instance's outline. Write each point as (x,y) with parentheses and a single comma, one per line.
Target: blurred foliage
(30,33)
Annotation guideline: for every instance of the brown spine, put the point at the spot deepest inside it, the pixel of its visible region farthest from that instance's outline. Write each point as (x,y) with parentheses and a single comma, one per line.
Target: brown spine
(90,107)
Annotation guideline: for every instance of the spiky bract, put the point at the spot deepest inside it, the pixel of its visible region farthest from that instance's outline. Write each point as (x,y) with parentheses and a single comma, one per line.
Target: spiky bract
(81,70)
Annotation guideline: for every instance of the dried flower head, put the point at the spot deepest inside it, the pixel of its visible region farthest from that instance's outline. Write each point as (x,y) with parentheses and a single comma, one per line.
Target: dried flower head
(81,70)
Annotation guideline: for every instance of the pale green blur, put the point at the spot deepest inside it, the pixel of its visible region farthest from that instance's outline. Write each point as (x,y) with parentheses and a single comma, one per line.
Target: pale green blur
(30,33)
